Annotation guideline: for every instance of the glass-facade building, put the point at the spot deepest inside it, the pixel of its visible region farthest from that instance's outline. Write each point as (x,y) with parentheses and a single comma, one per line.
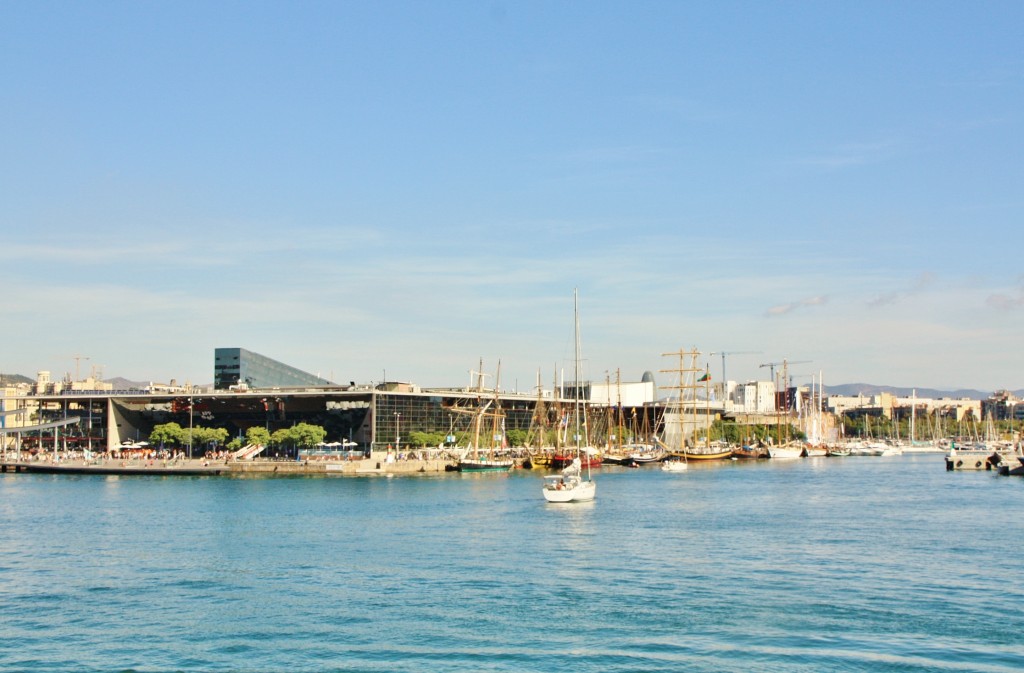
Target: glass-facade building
(237,366)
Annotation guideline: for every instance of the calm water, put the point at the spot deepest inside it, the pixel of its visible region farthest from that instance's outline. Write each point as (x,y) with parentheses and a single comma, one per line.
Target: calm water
(855,564)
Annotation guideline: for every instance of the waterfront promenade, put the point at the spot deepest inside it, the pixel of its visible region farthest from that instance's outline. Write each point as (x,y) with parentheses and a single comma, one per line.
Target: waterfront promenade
(185,467)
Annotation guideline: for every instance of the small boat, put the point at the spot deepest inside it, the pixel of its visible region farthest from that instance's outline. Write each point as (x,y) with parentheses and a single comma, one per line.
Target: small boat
(588,457)
(674,464)
(484,465)
(747,452)
(616,459)
(644,454)
(786,451)
(571,485)
(718,454)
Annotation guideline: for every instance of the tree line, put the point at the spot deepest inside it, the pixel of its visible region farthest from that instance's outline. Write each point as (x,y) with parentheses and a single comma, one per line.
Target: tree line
(299,436)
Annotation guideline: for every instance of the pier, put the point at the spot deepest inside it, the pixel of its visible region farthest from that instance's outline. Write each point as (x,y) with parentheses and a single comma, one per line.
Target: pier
(199,467)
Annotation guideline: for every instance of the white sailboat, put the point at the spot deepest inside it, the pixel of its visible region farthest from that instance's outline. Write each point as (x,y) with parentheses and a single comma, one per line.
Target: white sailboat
(783,447)
(572,485)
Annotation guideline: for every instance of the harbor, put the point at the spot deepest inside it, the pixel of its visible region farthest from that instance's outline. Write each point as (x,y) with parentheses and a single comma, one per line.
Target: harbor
(1004,461)
(786,565)
(264,417)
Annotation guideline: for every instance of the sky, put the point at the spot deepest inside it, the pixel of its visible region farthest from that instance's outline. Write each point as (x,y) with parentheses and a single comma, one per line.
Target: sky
(403,190)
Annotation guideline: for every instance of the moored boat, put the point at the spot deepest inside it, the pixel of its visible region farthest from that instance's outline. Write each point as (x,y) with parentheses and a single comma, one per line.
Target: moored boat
(971,459)
(748,452)
(486,465)
(644,454)
(487,451)
(587,456)
(713,454)
(786,451)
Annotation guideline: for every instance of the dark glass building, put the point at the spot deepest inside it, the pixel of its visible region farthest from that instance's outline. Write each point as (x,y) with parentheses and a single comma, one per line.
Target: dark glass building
(238,367)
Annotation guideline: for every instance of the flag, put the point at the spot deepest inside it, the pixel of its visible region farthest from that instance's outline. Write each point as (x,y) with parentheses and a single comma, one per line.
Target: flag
(706,377)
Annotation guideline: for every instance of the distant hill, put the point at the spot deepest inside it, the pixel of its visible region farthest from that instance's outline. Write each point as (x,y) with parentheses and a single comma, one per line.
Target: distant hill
(14,379)
(854,389)
(121,383)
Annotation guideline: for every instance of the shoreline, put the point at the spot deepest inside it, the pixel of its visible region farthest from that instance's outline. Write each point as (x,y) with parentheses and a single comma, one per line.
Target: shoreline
(202,467)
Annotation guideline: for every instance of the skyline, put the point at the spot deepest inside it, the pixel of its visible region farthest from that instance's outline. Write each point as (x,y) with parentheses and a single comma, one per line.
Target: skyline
(407,188)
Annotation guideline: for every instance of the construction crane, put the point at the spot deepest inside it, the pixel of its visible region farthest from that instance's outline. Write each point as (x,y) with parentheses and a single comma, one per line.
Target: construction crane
(784,363)
(78,358)
(724,353)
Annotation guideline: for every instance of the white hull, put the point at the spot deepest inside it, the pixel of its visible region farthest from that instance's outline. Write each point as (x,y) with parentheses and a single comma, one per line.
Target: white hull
(785,452)
(674,466)
(582,491)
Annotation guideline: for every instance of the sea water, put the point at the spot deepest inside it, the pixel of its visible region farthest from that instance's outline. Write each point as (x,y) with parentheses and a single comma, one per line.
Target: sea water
(826,564)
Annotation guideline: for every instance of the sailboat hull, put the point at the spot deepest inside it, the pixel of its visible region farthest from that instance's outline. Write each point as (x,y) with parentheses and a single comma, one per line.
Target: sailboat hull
(563,460)
(787,452)
(717,455)
(581,492)
(486,465)
(674,466)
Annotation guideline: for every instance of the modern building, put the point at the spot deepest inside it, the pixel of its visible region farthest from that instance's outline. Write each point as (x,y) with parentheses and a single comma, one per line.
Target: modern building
(240,369)
(755,397)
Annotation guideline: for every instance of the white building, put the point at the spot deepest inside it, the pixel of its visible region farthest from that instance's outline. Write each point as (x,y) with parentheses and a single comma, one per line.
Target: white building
(754,397)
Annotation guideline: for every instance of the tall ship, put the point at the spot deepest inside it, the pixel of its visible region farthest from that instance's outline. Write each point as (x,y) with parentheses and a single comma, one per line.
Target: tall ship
(488,447)
(683,421)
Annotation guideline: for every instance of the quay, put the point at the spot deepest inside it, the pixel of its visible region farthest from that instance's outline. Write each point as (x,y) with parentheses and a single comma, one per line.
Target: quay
(199,467)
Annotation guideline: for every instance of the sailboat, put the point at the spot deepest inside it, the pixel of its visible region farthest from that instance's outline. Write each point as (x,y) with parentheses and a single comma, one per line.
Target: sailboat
(615,453)
(783,447)
(686,417)
(481,456)
(574,483)
(569,452)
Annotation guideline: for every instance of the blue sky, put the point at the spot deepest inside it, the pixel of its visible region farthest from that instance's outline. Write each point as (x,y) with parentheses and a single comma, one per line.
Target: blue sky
(403,188)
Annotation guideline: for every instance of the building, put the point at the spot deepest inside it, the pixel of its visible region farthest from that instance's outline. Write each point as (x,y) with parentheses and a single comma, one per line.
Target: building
(619,393)
(890,406)
(252,390)
(238,368)
(754,397)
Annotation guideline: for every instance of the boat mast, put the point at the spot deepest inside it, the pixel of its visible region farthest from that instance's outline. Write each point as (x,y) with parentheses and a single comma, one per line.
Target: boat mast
(497,420)
(576,370)
(913,413)
(576,348)
(687,386)
(707,407)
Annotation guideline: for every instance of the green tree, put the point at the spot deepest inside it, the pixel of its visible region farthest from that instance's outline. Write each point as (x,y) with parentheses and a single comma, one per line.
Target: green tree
(208,438)
(426,439)
(168,433)
(516,437)
(307,436)
(257,435)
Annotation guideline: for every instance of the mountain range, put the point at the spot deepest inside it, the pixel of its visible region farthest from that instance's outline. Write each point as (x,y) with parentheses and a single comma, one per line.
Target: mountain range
(854,389)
